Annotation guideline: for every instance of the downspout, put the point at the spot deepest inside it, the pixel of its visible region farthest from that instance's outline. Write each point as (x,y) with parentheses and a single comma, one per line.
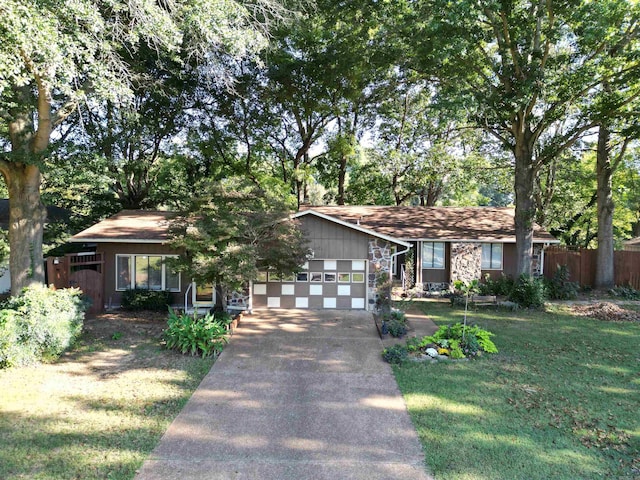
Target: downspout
(393,255)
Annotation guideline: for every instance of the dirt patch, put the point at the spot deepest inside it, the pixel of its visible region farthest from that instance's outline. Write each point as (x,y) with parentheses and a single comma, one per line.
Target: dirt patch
(114,325)
(116,342)
(607,311)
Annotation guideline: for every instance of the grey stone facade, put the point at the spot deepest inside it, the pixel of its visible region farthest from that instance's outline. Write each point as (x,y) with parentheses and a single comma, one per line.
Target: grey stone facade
(536,260)
(466,261)
(379,264)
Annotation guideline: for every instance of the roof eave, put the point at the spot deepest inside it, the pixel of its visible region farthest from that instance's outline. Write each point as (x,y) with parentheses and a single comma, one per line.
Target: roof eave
(115,240)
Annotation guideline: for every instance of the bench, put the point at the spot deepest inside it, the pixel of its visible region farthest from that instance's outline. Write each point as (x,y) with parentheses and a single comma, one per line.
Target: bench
(484,300)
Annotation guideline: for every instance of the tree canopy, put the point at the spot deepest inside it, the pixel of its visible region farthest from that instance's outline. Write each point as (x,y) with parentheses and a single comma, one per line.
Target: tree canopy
(108,104)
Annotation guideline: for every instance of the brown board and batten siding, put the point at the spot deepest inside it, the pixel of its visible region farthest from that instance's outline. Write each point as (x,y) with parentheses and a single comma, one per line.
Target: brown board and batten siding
(329,240)
(437,275)
(110,250)
(335,277)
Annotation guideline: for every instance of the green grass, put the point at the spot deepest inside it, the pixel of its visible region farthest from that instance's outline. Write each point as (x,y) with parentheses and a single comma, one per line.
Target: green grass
(560,400)
(99,411)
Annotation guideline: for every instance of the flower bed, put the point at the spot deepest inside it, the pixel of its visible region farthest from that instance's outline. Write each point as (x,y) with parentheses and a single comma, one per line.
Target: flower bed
(455,341)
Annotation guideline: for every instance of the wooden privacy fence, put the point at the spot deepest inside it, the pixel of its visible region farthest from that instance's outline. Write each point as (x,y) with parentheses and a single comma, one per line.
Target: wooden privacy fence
(84,271)
(581,264)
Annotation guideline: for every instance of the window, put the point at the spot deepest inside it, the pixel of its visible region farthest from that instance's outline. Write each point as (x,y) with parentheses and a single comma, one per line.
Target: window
(273,277)
(329,277)
(491,256)
(302,277)
(344,277)
(148,272)
(433,255)
(357,277)
(316,276)
(261,277)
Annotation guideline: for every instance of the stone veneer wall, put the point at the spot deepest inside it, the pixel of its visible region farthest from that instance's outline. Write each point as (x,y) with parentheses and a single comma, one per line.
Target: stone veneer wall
(466,261)
(379,264)
(536,260)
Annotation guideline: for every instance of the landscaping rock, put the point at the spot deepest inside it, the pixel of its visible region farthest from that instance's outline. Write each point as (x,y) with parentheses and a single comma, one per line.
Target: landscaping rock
(432,352)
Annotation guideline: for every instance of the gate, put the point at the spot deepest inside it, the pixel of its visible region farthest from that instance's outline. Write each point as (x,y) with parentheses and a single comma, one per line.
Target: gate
(83,271)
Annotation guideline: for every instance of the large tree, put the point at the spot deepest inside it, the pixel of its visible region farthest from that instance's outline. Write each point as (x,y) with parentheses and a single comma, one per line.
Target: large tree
(56,55)
(524,74)
(231,230)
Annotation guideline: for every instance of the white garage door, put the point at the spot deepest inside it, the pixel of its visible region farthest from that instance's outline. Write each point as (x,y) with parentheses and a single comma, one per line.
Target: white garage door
(329,284)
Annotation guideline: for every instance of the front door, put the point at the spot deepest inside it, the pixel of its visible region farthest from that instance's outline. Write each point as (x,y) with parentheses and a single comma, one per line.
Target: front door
(204,295)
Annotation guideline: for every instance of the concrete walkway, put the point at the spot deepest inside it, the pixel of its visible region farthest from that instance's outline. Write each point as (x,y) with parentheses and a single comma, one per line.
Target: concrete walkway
(295,395)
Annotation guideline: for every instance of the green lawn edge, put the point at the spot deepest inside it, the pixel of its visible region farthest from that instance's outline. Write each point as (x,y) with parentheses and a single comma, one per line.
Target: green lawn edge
(98,412)
(560,400)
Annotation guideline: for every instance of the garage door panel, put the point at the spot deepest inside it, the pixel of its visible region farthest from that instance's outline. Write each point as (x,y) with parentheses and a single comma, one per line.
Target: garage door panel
(358,290)
(343,303)
(330,290)
(288,301)
(315,302)
(327,284)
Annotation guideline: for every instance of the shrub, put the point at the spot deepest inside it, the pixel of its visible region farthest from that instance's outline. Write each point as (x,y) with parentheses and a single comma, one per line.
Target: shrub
(396,328)
(470,345)
(196,336)
(141,299)
(39,324)
(559,287)
(396,354)
(500,286)
(528,292)
(396,315)
(223,317)
(626,293)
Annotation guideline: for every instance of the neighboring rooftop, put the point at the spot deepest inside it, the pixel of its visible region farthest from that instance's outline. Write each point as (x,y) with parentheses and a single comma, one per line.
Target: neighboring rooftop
(129,226)
(54,214)
(433,223)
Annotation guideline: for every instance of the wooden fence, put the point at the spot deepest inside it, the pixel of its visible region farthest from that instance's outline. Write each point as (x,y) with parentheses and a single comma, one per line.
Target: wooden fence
(581,264)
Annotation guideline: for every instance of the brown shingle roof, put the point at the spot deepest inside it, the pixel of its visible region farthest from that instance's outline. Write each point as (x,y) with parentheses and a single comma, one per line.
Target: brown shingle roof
(434,223)
(129,226)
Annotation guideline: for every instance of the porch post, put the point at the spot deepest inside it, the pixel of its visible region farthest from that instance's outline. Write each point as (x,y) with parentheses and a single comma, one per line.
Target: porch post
(419,262)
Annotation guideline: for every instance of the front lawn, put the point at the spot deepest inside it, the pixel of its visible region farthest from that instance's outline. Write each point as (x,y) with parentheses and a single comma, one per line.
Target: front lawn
(560,400)
(98,411)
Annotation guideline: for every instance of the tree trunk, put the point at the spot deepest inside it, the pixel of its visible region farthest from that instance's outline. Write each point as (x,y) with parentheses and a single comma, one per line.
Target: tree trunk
(604,171)
(26,222)
(342,175)
(525,203)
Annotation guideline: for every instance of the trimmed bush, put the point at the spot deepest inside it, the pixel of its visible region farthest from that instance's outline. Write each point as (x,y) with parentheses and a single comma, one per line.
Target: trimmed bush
(396,355)
(141,299)
(39,324)
(396,328)
(195,335)
(501,286)
(528,292)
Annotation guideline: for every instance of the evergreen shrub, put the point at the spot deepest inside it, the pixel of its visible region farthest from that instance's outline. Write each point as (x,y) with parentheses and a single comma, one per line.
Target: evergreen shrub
(137,299)
(39,324)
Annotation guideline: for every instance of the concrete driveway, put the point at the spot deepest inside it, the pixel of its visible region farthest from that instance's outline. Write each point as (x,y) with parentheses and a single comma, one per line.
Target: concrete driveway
(295,395)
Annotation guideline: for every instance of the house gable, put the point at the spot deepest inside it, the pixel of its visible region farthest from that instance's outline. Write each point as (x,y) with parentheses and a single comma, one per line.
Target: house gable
(346,225)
